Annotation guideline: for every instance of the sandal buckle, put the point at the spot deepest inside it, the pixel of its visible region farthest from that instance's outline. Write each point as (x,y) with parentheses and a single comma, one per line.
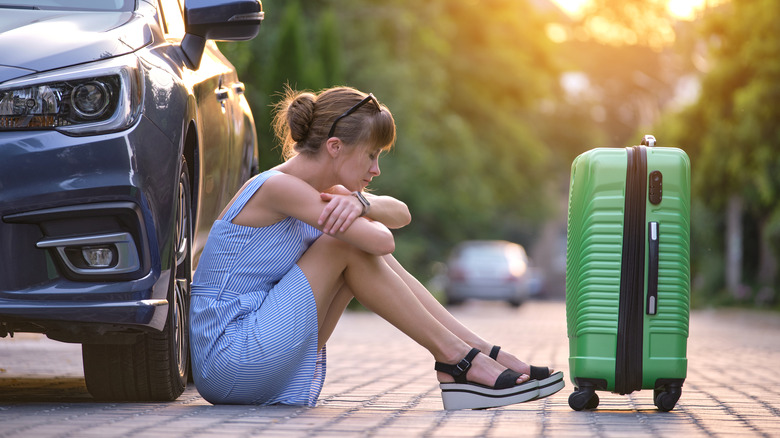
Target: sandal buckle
(462,366)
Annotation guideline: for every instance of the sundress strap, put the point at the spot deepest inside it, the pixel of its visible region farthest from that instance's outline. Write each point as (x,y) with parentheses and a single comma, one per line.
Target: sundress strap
(243,197)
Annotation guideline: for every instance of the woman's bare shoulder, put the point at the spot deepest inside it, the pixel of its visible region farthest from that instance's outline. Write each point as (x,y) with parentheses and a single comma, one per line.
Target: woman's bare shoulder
(274,200)
(285,184)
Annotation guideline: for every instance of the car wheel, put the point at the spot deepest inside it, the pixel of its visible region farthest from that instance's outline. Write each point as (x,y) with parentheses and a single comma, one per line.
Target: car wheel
(157,365)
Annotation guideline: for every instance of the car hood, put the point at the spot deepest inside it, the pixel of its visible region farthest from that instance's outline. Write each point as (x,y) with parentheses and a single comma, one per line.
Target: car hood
(34,41)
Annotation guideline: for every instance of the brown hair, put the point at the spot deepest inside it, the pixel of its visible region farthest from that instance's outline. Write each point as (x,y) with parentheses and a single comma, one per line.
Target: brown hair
(303,119)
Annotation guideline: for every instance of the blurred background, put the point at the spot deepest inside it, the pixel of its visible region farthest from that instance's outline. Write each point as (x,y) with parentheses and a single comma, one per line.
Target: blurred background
(493,99)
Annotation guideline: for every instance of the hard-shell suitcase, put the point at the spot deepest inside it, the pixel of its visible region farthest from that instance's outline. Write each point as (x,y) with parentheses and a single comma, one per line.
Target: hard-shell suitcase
(627,273)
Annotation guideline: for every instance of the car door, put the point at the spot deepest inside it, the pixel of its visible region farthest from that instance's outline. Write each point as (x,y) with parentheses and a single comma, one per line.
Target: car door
(210,84)
(229,94)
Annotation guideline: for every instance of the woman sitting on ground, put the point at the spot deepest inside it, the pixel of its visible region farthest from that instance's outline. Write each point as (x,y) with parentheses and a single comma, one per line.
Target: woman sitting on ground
(297,243)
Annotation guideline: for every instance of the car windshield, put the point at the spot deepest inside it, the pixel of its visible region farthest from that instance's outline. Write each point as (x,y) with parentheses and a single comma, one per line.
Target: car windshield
(498,257)
(70,5)
(484,255)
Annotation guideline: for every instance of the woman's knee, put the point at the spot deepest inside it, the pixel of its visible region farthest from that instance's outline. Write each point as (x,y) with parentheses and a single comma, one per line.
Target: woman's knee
(330,246)
(333,247)
(327,257)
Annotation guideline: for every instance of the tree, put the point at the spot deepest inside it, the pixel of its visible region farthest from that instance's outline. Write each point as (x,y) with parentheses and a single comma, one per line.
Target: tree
(629,53)
(733,128)
(328,49)
(465,81)
(296,46)
(644,23)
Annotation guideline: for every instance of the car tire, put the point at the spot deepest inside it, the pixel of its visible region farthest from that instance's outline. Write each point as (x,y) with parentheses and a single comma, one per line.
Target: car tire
(156,367)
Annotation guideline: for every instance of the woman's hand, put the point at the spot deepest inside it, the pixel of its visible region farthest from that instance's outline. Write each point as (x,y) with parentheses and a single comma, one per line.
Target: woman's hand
(340,212)
(343,208)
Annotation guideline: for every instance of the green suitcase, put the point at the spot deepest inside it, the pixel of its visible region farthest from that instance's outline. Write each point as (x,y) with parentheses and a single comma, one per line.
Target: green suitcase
(628,273)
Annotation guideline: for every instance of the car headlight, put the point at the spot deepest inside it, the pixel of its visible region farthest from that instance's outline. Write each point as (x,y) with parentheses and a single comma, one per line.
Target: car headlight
(93,98)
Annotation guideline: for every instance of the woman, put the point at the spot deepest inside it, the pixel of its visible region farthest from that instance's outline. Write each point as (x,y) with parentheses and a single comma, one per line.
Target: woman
(297,243)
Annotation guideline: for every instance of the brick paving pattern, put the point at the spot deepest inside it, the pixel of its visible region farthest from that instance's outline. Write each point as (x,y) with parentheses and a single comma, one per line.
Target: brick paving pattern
(381,384)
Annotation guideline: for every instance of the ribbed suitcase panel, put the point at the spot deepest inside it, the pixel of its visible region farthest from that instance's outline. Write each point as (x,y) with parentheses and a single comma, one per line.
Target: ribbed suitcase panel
(596,207)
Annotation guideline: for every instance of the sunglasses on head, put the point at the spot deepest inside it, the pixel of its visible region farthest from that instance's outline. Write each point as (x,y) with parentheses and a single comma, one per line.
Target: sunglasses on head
(352,110)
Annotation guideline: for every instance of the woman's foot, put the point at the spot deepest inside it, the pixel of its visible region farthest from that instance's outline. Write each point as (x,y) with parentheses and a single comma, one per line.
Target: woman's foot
(471,383)
(549,381)
(513,363)
(484,371)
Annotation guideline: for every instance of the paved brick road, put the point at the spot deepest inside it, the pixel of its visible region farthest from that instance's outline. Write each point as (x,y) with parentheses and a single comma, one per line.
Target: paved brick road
(381,384)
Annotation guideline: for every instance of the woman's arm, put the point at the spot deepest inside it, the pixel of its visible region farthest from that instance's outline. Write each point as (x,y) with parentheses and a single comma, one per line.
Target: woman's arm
(285,195)
(388,210)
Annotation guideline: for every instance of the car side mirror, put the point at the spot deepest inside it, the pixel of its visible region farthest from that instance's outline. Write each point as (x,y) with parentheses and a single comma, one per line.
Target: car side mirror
(221,20)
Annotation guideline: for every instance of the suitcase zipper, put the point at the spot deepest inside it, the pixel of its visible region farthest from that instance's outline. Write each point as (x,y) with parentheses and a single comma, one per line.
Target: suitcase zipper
(628,356)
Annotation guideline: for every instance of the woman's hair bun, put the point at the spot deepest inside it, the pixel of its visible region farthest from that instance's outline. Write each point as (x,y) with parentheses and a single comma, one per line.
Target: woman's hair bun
(300,115)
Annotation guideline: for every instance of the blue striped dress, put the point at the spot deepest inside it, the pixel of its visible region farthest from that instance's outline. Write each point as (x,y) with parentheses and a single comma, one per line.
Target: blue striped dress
(253,318)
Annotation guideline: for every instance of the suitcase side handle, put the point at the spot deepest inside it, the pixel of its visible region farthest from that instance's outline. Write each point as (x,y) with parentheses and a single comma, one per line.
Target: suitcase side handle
(653,240)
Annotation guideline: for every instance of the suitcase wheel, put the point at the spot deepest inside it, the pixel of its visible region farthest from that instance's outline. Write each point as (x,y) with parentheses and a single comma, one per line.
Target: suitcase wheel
(583,398)
(666,400)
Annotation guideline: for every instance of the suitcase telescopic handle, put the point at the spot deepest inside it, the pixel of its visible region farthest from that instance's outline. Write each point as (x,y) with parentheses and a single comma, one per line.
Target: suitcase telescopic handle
(653,240)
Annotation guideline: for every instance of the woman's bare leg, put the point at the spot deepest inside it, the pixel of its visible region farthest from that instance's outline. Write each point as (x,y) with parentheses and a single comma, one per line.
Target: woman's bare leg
(341,299)
(329,263)
(445,317)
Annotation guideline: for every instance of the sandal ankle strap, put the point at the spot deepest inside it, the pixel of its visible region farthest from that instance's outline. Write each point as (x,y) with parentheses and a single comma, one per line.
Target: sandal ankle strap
(494,352)
(460,369)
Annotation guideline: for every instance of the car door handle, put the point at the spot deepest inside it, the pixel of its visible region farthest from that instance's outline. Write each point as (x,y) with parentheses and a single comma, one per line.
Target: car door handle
(239,88)
(222,94)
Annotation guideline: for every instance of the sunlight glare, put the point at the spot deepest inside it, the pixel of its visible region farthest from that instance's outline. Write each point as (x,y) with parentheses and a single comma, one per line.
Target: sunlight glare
(572,7)
(684,9)
(679,9)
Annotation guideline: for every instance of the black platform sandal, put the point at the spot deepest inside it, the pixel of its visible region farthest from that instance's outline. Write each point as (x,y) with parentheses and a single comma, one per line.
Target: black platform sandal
(548,384)
(466,395)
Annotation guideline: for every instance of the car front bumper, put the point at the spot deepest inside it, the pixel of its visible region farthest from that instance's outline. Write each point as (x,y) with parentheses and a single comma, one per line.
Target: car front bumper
(494,291)
(61,194)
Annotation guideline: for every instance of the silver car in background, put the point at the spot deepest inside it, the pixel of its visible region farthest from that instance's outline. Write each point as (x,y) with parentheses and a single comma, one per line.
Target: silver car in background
(488,270)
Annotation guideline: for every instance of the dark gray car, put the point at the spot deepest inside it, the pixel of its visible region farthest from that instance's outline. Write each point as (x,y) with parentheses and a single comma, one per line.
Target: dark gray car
(123,133)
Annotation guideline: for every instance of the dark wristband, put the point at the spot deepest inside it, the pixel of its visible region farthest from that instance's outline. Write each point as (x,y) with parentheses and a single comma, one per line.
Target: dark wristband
(363,201)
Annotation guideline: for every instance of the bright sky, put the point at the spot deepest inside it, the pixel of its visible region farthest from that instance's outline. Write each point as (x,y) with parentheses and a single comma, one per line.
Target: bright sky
(682,9)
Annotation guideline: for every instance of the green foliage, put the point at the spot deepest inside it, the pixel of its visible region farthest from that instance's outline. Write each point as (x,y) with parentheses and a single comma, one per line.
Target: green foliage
(635,23)
(734,134)
(739,102)
(464,81)
(296,46)
(328,49)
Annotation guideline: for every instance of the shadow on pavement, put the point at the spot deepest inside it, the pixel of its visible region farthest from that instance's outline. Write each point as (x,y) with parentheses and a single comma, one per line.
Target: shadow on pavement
(44,389)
